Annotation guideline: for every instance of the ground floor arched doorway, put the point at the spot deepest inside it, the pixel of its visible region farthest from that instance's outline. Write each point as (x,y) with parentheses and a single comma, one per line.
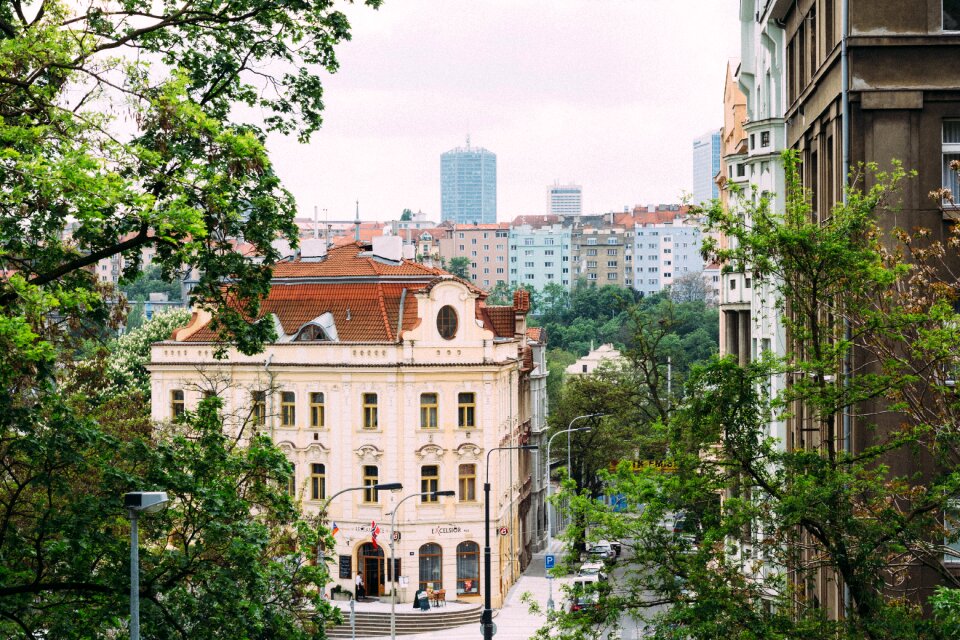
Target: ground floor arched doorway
(370,565)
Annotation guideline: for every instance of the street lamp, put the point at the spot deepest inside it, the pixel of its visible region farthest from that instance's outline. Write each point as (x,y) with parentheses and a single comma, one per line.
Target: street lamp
(486,620)
(138,502)
(570,430)
(547,475)
(383,486)
(392,567)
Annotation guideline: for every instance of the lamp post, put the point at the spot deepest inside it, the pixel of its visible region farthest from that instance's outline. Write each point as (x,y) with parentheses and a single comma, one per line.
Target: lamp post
(570,430)
(391,567)
(547,476)
(486,620)
(138,502)
(383,486)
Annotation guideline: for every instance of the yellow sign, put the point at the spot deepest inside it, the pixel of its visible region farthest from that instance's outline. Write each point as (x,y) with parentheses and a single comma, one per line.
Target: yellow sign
(664,466)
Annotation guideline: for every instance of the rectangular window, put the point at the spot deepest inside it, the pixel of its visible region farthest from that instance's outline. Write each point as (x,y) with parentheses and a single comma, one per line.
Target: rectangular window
(528,242)
(764,138)
(591,264)
(591,252)
(371,476)
(318,482)
(466,410)
(429,481)
(613,241)
(369,411)
(611,252)
(548,252)
(548,241)
(292,483)
(428,411)
(288,409)
(951,15)
(591,241)
(951,152)
(177,403)
(259,415)
(468,482)
(612,264)
(317,416)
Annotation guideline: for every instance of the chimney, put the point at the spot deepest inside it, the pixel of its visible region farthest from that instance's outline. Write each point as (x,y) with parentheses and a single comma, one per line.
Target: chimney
(521,307)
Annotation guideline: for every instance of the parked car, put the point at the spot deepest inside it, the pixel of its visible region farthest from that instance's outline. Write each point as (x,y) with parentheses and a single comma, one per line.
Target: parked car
(616,546)
(583,592)
(602,551)
(593,569)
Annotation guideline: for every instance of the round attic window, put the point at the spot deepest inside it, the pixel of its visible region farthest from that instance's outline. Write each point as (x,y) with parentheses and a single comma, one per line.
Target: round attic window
(447,322)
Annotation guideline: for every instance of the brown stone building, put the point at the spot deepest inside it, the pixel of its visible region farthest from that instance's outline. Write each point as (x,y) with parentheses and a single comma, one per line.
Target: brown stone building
(897,97)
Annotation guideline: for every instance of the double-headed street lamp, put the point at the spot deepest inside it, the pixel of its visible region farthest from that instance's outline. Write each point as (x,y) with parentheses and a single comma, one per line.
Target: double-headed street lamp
(486,620)
(138,502)
(547,478)
(383,486)
(392,567)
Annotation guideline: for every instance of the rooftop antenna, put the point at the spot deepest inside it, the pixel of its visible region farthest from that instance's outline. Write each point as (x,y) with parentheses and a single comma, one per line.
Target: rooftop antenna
(468,141)
(356,224)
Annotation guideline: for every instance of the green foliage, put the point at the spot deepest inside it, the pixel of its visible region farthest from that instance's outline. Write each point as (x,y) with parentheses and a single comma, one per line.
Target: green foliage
(406,216)
(130,353)
(460,267)
(148,281)
(867,518)
(119,130)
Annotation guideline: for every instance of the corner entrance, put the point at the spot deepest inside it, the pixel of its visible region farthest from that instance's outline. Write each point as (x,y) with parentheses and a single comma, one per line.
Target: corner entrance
(370,564)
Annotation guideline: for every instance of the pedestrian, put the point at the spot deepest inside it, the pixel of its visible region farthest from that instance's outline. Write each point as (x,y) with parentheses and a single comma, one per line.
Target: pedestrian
(361,593)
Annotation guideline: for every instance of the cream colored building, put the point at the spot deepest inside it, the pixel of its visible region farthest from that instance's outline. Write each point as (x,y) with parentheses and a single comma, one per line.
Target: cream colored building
(589,363)
(385,370)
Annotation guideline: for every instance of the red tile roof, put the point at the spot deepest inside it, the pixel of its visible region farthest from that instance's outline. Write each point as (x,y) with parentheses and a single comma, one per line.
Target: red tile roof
(362,293)
(535,333)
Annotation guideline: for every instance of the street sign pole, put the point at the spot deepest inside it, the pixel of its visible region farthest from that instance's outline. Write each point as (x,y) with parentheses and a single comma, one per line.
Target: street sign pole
(549,561)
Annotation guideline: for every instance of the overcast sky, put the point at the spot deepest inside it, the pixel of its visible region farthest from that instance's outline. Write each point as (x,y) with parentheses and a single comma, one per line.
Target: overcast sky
(608,94)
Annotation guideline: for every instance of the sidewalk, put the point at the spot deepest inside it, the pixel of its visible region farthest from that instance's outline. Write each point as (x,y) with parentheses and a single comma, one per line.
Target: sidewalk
(514,621)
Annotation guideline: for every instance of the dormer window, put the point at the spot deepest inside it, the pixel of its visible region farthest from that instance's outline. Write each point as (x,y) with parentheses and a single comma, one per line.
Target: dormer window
(312,333)
(447,322)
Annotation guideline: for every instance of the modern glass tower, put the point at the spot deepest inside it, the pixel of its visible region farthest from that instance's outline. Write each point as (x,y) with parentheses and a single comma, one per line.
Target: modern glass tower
(468,185)
(706,164)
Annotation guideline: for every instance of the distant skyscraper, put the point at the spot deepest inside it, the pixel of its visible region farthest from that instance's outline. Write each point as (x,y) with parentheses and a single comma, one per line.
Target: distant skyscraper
(564,199)
(468,185)
(706,164)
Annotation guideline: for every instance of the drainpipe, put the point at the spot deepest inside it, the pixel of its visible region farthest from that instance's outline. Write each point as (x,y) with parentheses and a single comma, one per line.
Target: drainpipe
(269,391)
(845,133)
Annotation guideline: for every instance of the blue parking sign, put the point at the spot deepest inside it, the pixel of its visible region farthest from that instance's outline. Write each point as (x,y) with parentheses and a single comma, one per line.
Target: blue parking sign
(549,561)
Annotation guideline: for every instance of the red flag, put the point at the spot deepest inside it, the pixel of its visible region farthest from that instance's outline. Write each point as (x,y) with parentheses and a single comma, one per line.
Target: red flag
(374,531)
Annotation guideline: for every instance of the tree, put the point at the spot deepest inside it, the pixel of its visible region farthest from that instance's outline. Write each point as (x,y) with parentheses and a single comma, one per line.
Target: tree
(406,216)
(118,131)
(690,287)
(460,267)
(174,172)
(869,517)
(148,281)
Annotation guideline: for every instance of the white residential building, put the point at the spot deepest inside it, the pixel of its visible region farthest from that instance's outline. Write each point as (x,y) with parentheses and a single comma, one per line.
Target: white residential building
(564,199)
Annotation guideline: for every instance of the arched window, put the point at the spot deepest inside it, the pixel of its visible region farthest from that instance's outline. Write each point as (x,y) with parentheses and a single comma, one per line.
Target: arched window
(431,566)
(468,567)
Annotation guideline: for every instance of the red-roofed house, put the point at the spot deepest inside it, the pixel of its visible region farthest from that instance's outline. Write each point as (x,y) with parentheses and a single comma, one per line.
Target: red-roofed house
(386,370)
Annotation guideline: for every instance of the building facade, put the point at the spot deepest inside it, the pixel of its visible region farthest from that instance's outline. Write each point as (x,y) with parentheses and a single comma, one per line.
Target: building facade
(893,99)
(385,370)
(602,255)
(706,165)
(486,246)
(468,185)
(663,252)
(540,255)
(564,199)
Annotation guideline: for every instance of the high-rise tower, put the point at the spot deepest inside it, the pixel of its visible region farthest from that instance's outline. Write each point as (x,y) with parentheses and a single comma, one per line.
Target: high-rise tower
(468,185)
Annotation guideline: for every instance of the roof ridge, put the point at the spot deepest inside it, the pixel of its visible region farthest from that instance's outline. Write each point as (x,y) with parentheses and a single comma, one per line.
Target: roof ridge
(383,312)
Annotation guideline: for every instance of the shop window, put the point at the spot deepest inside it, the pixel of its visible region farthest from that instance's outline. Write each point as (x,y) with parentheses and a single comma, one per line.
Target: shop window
(431,566)
(468,568)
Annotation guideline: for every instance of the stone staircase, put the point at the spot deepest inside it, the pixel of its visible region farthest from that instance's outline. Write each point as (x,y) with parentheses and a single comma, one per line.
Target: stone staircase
(371,624)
